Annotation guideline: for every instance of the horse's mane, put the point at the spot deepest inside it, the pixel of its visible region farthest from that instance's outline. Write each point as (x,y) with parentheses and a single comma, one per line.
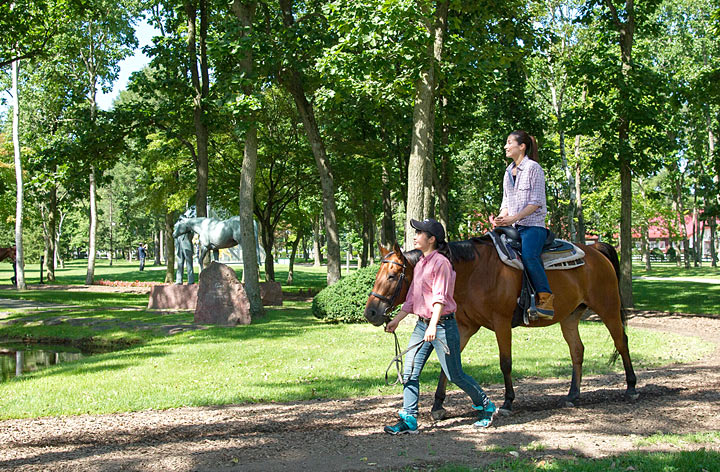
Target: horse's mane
(460,250)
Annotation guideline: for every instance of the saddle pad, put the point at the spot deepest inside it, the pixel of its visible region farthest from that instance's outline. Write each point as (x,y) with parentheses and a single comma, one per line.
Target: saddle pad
(567,256)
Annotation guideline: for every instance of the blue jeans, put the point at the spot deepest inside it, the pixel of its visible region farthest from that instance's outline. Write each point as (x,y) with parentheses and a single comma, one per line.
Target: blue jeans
(415,359)
(533,238)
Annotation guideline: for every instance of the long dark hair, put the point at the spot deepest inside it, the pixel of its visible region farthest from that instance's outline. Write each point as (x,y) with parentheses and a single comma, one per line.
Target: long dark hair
(443,248)
(531,147)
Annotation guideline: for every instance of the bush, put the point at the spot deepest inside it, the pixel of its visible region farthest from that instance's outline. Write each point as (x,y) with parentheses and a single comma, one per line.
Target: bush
(656,254)
(345,301)
(671,254)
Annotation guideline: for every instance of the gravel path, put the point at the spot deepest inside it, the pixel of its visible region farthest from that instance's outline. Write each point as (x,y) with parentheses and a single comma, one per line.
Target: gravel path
(333,435)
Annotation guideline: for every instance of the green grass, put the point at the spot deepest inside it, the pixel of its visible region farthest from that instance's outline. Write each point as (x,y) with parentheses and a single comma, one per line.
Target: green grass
(672,295)
(680,439)
(702,460)
(287,356)
(670,269)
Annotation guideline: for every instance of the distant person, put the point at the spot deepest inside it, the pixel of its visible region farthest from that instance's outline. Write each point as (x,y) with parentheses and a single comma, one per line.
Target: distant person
(142,254)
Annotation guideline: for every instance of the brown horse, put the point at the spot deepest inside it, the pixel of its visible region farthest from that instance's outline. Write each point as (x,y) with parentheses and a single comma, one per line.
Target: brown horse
(10,253)
(486,292)
(7,253)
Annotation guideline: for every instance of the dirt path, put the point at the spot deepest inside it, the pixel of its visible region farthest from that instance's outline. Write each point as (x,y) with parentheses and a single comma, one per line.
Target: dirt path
(347,434)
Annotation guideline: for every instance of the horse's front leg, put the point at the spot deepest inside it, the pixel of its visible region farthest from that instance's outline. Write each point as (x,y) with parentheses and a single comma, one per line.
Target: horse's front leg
(571,334)
(503,334)
(202,252)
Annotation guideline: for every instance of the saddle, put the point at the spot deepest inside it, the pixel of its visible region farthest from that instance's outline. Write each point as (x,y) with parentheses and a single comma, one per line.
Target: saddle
(557,254)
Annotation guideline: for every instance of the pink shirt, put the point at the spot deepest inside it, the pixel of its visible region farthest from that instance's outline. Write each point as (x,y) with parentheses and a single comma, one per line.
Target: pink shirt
(433,282)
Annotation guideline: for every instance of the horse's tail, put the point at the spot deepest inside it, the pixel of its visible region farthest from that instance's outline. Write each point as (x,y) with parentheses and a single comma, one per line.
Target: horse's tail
(609,251)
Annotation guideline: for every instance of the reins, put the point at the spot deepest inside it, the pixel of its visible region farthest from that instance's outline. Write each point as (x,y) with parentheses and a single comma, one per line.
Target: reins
(398,359)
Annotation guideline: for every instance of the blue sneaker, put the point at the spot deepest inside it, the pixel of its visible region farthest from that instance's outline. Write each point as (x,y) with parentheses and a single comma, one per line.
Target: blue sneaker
(406,425)
(486,415)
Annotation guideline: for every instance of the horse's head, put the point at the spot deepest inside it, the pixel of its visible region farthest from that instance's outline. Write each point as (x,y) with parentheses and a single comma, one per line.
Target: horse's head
(391,285)
(181,227)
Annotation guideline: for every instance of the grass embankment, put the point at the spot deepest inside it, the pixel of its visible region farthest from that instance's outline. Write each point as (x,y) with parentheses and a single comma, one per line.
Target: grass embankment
(287,356)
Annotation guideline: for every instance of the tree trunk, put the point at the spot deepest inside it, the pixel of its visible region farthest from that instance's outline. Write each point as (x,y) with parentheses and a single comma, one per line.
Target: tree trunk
(387,231)
(52,230)
(626,30)
(293,81)
(201,89)
(681,220)
(646,250)
(317,247)
(90,277)
(419,170)
(713,250)
(291,268)
(442,184)
(169,247)
(578,196)
(19,252)
(268,241)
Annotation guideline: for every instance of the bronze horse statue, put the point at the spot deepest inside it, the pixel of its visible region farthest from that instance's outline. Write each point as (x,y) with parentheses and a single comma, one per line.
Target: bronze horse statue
(486,292)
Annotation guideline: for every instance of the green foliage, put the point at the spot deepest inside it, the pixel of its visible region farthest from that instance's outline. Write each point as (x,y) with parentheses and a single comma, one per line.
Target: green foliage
(344,302)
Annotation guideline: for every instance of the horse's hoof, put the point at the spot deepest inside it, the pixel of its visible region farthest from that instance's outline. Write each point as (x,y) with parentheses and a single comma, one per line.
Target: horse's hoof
(632,396)
(569,404)
(504,412)
(438,415)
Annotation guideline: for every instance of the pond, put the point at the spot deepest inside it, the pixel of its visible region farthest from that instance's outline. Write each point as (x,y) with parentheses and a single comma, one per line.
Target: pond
(19,359)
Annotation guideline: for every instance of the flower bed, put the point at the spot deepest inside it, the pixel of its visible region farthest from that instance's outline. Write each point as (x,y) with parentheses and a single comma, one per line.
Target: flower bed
(125,283)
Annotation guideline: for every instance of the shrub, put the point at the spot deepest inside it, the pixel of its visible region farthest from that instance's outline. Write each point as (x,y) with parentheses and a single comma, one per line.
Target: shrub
(344,302)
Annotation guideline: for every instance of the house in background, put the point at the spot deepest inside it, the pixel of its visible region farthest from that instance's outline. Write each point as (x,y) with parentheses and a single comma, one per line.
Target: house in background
(697,231)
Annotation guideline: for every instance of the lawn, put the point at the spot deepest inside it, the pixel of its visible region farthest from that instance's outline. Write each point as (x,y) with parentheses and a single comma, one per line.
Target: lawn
(674,295)
(287,356)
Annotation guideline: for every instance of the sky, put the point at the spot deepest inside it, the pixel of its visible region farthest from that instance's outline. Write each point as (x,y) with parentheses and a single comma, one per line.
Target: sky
(144,33)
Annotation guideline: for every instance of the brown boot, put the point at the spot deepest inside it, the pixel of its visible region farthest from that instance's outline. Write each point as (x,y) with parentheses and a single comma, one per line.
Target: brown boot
(545,305)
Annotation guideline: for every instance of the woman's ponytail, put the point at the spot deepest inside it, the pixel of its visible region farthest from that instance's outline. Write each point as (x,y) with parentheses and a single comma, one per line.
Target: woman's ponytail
(531,146)
(444,249)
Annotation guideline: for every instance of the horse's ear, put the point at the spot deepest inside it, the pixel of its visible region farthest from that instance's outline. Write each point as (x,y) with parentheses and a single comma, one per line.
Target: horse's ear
(398,250)
(384,252)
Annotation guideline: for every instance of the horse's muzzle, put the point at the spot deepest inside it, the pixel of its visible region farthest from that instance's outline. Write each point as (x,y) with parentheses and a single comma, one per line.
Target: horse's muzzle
(375,316)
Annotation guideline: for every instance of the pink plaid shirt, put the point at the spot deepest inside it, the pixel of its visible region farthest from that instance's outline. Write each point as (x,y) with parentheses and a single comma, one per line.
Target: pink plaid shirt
(433,282)
(528,188)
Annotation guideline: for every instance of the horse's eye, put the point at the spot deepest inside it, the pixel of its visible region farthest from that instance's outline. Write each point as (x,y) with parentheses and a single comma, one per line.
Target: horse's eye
(391,277)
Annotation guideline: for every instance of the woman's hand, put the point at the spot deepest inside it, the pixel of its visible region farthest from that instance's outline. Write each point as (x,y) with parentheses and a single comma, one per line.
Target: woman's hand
(504,221)
(430,333)
(392,325)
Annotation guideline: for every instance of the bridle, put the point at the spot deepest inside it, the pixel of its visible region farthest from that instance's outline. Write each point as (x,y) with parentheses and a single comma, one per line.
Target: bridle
(398,287)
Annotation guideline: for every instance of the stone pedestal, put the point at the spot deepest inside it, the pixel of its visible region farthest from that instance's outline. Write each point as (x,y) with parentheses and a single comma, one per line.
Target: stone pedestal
(173,297)
(221,297)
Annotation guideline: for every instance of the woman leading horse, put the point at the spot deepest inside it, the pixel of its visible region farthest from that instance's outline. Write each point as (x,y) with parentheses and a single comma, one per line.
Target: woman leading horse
(486,292)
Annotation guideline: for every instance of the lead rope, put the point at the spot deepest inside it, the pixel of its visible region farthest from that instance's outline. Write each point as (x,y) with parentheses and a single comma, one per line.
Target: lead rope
(398,359)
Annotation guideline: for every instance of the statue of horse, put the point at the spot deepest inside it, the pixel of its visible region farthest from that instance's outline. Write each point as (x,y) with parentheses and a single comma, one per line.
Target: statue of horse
(10,253)
(486,292)
(213,234)
(184,258)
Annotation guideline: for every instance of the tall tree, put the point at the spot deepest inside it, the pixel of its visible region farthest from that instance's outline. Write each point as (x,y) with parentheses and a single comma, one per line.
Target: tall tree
(292,78)
(19,259)
(245,13)
(421,164)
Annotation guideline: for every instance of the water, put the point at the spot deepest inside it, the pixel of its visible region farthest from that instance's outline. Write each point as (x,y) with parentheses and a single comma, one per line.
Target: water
(17,360)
